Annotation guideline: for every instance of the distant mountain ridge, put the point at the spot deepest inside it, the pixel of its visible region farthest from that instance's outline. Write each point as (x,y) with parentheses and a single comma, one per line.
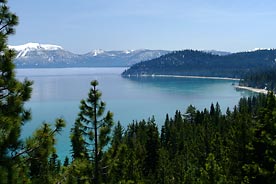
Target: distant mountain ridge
(32,55)
(199,63)
(24,49)
(219,53)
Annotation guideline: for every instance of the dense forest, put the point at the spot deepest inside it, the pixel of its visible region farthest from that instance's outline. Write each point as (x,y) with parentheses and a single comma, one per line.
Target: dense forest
(198,63)
(194,146)
(262,79)
(191,147)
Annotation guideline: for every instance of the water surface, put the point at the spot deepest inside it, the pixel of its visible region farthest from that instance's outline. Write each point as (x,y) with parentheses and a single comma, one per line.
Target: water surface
(57,93)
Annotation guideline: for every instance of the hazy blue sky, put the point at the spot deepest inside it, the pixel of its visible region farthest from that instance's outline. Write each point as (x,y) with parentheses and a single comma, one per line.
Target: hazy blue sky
(83,25)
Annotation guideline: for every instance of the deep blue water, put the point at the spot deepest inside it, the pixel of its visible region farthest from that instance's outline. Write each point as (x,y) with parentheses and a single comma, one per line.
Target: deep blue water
(57,93)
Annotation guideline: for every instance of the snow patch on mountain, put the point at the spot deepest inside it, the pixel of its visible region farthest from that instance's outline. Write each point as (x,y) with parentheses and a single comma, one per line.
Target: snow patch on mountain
(97,52)
(22,50)
(128,51)
(256,49)
(46,55)
(35,46)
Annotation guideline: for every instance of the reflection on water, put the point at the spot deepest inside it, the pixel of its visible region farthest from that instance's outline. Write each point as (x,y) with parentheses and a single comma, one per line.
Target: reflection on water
(57,93)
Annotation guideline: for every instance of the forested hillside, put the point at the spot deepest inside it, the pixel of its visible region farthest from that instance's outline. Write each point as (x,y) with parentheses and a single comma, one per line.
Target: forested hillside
(262,79)
(197,63)
(191,147)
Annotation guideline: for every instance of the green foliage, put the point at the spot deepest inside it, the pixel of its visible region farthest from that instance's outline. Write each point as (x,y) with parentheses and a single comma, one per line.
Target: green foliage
(262,148)
(198,146)
(262,79)
(92,131)
(198,63)
(41,155)
(78,172)
(79,149)
(212,172)
(29,161)
(13,95)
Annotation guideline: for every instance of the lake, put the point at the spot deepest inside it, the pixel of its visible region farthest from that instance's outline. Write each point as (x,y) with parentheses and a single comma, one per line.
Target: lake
(57,93)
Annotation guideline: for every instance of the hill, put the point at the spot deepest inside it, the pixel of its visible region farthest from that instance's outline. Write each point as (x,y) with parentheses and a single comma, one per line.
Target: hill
(198,63)
(35,55)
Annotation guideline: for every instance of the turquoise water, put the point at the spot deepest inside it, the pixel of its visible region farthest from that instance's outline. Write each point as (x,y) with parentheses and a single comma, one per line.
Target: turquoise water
(57,93)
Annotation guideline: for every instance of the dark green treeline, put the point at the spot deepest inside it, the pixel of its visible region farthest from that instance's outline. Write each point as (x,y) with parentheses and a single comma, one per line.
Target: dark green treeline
(263,79)
(192,147)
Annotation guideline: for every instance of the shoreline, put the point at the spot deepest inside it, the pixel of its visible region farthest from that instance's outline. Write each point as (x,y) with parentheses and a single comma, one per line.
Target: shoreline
(257,90)
(188,76)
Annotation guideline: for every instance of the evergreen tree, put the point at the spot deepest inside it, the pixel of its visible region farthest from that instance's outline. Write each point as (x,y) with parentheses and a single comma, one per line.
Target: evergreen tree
(165,168)
(117,137)
(95,127)
(212,172)
(79,149)
(152,149)
(66,162)
(40,146)
(13,95)
(262,147)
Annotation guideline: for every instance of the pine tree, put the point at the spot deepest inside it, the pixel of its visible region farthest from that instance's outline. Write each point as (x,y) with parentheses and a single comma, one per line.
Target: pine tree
(40,147)
(117,137)
(213,172)
(262,147)
(79,150)
(152,149)
(13,95)
(94,126)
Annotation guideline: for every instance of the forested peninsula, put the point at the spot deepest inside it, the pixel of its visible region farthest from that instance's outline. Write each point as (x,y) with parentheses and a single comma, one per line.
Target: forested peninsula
(256,68)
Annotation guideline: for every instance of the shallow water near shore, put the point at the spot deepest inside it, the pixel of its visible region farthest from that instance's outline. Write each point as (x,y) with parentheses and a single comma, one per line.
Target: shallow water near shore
(57,93)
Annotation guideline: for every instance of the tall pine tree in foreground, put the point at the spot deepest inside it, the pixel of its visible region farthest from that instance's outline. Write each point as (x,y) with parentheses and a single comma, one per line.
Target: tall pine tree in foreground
(92,130)
(13,95)
(18,158)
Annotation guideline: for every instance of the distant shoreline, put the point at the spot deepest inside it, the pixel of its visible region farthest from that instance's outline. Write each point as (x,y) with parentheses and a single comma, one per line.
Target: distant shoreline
(257,90)
(188,76)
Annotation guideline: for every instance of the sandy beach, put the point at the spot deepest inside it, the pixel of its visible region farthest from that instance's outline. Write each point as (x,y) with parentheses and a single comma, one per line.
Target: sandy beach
(194,77)
(257,90)
(264,91)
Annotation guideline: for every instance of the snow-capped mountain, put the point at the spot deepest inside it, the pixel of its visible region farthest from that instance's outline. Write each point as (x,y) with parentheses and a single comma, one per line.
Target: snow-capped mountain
(24,49)
(125,57)
(46,55)
(35,46)
(97,52)
(43,55)
(257,49)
